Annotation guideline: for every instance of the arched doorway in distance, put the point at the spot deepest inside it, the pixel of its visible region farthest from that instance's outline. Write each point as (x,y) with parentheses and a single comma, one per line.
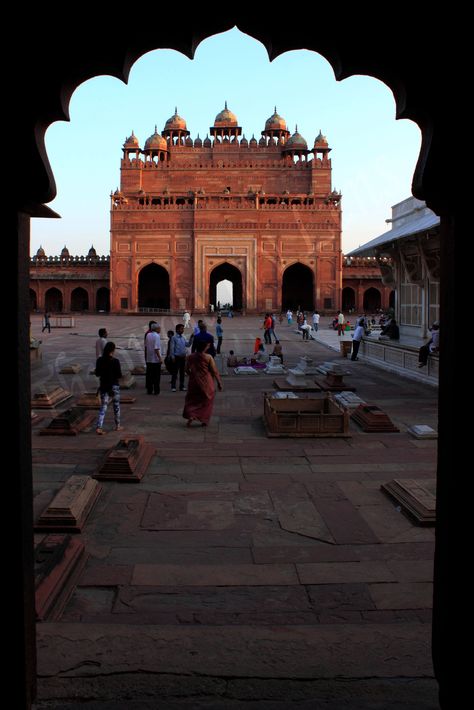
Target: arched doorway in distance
(53,300)
(297,288)
(79,300)
(154,287)
(348,299)
(102,300)
(227,272)
(372,300)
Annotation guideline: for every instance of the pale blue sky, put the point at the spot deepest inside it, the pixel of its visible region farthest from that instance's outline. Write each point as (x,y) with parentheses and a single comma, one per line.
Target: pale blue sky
(373,155)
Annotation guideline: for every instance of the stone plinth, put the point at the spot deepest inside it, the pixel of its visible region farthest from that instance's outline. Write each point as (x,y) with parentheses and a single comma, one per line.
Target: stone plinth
(372,418)
(69,423)
(89,400)
(349,400)
(317,416)
(72,369)
(297,383)
(50,397)
(275,367)
(127,381)
(416,498)
(127,461)
(59,561)
(306,366)
(69,509)
(334,380)
(345,347)
(422,431)
(245,370)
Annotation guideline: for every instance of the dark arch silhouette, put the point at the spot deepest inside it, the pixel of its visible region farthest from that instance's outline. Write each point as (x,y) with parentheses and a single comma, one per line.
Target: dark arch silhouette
(33,300)
(391,300)
(154,287)
(372,299)
(231,273)
(297,287)
(358,44)
(53,300)
(348,298)
(102,299)
(79,299)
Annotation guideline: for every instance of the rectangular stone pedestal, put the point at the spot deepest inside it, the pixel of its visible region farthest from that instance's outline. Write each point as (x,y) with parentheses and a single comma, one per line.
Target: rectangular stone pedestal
(317,416)
(305,385)
(69,423)
(69,509)
(72,369)
(416,498)
(89,400)
(50,398)
(127,461)
(333,383)
(372,419)
(59,561)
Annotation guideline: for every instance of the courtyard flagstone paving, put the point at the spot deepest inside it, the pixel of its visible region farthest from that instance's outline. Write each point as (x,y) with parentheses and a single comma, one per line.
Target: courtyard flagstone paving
(241,570)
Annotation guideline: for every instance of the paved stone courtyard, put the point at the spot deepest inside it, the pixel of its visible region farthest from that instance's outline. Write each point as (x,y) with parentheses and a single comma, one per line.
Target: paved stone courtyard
(241,571)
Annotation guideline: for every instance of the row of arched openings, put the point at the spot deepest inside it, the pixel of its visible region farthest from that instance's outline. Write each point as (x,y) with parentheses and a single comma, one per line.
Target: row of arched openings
(80,301)
(297,287)
(372,300)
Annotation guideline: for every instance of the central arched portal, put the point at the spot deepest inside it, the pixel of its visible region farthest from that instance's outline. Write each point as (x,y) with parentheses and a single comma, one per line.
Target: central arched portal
(154,287)
(227,272)
(298,288)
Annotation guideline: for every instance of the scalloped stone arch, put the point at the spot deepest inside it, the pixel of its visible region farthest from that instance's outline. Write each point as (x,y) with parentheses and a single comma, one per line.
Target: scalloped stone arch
(59,62)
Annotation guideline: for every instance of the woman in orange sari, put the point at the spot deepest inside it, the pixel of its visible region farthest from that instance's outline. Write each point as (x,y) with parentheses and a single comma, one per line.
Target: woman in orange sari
(202,371)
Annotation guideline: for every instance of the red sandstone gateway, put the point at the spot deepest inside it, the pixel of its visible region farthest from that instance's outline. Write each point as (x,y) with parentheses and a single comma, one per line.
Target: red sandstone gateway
(190,213)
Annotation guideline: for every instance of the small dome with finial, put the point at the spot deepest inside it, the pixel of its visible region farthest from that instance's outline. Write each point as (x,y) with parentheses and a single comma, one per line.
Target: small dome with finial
(253,140)
(41,253)
(320,139)
(207,142)
(65,253)
(92,251)
(198,142)
(275,123)
(226,119)
(175,123)
(156,142)
(295,142)
(131,141)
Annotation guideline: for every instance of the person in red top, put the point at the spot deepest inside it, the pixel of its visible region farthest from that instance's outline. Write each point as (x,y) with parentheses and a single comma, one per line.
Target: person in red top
(267,327)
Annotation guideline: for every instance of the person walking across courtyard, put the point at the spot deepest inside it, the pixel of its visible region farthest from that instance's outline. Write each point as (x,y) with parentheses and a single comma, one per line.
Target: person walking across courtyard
(219,335)
(178,357)
(202,371)
(46,322)
(109,372)
(340,323)
(153,359)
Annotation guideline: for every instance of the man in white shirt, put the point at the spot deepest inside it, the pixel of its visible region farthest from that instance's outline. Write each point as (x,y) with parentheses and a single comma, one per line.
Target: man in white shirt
(153,359)
(340,323)
(316,318)
(100,343)
(357,337)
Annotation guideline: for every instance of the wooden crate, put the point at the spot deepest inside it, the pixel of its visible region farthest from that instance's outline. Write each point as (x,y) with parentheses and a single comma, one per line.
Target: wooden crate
(316,416)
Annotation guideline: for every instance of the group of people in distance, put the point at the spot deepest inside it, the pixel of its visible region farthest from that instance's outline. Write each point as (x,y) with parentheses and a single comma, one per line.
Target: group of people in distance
(199,366)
